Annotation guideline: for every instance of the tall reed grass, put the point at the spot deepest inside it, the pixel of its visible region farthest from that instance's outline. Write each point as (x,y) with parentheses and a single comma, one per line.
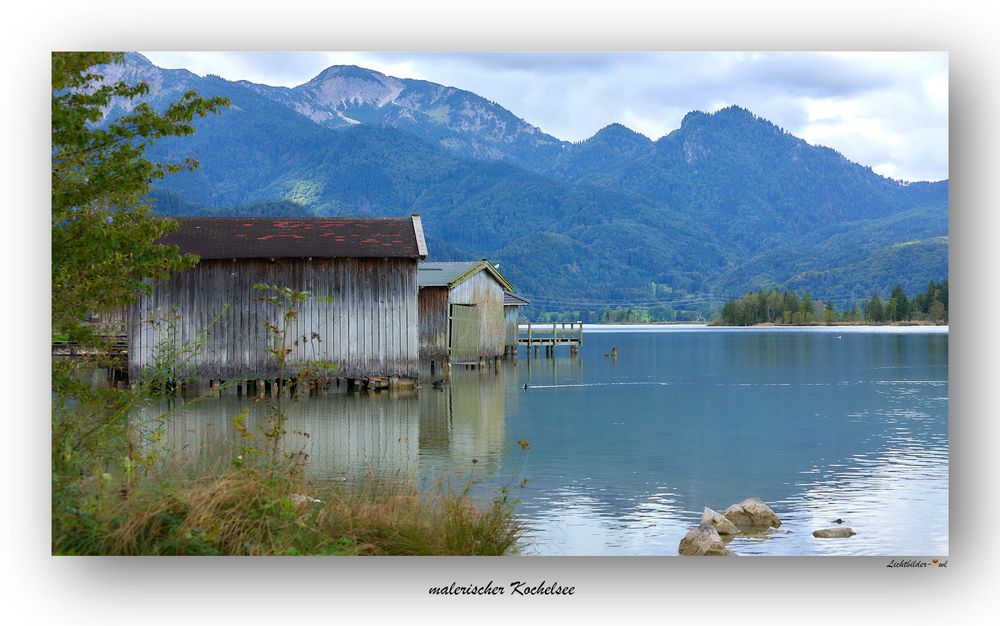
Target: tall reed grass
(113,493)
(267,512)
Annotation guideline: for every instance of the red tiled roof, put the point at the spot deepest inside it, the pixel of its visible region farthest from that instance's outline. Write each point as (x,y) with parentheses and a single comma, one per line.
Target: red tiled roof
(254,238)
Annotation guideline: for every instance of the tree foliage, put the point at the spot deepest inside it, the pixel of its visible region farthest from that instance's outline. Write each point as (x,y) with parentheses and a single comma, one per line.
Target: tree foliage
(770,307)
(103,241)
(103,229)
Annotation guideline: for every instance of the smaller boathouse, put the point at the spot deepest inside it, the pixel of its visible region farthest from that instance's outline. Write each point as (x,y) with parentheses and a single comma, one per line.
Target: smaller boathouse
(461,311)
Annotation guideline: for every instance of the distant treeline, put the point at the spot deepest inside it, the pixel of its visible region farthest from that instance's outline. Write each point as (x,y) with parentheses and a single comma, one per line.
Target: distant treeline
(618,315)
(774,307)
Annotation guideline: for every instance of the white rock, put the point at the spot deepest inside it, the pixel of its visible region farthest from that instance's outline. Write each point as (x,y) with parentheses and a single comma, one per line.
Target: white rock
(722,525)
(703,541)
(752,514)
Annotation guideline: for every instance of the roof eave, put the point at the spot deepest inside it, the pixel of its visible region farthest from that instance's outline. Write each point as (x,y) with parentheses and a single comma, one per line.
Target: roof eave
(418,231)
(484,264)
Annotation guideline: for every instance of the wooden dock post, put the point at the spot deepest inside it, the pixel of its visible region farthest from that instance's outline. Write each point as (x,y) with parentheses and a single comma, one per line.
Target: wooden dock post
(559,334)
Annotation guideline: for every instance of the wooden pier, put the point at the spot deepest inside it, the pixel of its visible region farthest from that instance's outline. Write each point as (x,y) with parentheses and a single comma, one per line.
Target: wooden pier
(115,348)
(551,335)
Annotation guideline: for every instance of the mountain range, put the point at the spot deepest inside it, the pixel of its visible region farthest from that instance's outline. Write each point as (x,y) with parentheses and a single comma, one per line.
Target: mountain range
(726,203)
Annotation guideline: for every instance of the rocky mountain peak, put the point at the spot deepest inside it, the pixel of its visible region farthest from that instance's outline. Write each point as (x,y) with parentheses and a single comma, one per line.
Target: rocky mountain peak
(348,85)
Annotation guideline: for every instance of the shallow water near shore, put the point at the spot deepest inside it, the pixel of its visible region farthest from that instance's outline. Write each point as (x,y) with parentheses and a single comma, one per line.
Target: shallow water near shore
(820,423)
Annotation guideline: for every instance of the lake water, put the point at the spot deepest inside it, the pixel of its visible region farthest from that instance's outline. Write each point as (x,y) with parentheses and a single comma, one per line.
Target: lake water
(820,423)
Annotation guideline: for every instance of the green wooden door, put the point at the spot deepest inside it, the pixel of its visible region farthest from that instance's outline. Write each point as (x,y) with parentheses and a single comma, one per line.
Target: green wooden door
(464,335)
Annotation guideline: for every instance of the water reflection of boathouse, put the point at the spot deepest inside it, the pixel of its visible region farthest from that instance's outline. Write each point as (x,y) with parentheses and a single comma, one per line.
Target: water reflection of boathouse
(356,435)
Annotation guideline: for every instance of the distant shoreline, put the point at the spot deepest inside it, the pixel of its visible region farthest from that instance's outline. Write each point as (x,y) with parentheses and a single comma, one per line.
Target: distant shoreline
(705,327)
(820,324)
(542,325)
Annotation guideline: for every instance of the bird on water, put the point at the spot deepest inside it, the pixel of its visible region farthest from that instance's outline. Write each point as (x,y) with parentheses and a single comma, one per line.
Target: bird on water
(525,386)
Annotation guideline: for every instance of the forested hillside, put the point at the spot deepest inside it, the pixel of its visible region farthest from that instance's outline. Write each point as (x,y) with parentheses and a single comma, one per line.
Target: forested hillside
(726,203)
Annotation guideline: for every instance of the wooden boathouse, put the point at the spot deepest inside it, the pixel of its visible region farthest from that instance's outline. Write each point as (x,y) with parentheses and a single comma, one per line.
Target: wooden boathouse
(368,266)
(461,311)
(512,304)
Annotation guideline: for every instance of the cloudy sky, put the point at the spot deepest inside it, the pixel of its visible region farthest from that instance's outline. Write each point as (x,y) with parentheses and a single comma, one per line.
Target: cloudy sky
(886,110)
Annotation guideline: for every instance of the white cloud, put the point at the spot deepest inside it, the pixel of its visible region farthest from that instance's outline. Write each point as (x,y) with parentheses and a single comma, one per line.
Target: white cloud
(886,110)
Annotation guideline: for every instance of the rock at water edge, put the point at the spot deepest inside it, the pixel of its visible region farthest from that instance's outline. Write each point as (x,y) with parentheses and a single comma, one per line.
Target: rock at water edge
(722,525)
(703,541)
(833,533)
(752,514)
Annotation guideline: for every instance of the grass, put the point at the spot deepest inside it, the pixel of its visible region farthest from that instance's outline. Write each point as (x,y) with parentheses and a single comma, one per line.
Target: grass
(259,503)
(262,512)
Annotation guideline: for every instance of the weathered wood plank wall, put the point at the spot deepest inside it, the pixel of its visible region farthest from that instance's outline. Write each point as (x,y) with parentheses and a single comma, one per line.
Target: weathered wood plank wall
(487,294)
(370,328)
(511,315)
(433,314)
